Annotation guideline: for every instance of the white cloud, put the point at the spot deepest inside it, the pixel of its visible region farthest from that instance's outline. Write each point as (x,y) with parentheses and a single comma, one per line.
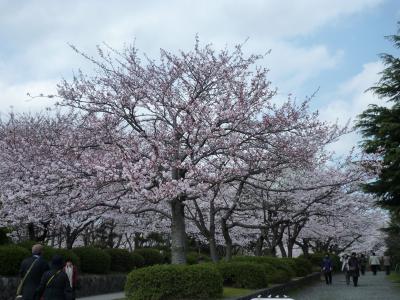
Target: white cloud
(352,96)
(15,98)
(351,99)
(35,34)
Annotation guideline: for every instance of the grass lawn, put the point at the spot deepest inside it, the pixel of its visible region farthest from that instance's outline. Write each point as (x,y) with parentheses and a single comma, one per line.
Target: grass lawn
(230,292)
(395,277)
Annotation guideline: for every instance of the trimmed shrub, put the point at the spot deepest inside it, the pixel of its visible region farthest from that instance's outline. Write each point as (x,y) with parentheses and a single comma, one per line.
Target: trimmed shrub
(243,274)
(11,258)
(193,258)
(121,260)
(93,260)
(315,258)
(49,252)
(280,276)
(138,260)
(27,245)
(286,272)
(174,282)
(68,255)
(4,239)
(166,254)
(303,266)
(151,256)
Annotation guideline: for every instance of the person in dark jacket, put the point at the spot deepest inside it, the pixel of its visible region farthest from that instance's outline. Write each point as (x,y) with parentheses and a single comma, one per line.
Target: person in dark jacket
(54,284)
(327,268)
(363,264)
(39,266)
(354,268)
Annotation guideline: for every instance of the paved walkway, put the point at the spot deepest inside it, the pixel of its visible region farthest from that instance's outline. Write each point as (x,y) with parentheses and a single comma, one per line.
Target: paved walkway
(115,296)
(370,288)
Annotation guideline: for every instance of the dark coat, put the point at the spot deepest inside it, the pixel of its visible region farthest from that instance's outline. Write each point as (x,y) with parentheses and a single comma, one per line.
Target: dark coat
(32,281)
(327,265)
(354,267)
(57,289)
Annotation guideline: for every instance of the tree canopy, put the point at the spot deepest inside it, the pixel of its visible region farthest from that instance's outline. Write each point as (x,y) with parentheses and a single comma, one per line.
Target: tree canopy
(380,128)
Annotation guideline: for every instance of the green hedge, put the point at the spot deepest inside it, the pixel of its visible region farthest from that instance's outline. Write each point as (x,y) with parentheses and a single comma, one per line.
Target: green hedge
(138,260)
(174,282)
(301,266)
(193,258)
(27,245)
(11,258)
(4,239)
(66,254)
(243,274)
(273,274)
(93,260)
(121,260)
(49,252)
(287,271)
(151,256)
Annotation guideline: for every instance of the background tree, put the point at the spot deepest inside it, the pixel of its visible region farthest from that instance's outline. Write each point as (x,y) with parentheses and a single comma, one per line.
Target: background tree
(380,128)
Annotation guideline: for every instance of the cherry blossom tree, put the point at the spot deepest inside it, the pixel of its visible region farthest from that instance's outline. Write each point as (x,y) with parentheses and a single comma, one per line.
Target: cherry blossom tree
(48,176)
(194,120)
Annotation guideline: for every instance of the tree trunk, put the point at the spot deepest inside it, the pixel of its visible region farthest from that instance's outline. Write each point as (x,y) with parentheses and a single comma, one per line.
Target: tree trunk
(305,249)
(31,232)
(178,234)
(259,246)
(213,250)
(70,240)
(228,241)
(282,249)
(136,240)
(129,242)
(290,246)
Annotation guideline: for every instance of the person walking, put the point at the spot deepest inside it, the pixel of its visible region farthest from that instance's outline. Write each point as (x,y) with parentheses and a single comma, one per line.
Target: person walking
(72,272)
(54,284)
(363,264)
(374,263)
(327,269)
(354,268)
(31,271)
(386,264)
(345,268)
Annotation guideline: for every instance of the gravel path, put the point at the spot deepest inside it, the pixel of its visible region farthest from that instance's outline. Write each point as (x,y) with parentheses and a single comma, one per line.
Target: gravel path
(370,288)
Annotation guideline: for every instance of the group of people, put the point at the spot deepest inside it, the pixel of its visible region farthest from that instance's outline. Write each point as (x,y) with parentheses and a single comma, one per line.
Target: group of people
(43,281)
(354,265)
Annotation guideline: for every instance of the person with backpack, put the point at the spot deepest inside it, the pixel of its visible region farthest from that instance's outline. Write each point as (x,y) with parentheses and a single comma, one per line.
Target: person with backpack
(327,268)
(55,284)
(31,271)
(354,268)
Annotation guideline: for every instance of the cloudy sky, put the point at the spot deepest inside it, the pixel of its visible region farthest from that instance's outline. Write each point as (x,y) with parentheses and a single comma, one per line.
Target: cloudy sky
(324,45)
